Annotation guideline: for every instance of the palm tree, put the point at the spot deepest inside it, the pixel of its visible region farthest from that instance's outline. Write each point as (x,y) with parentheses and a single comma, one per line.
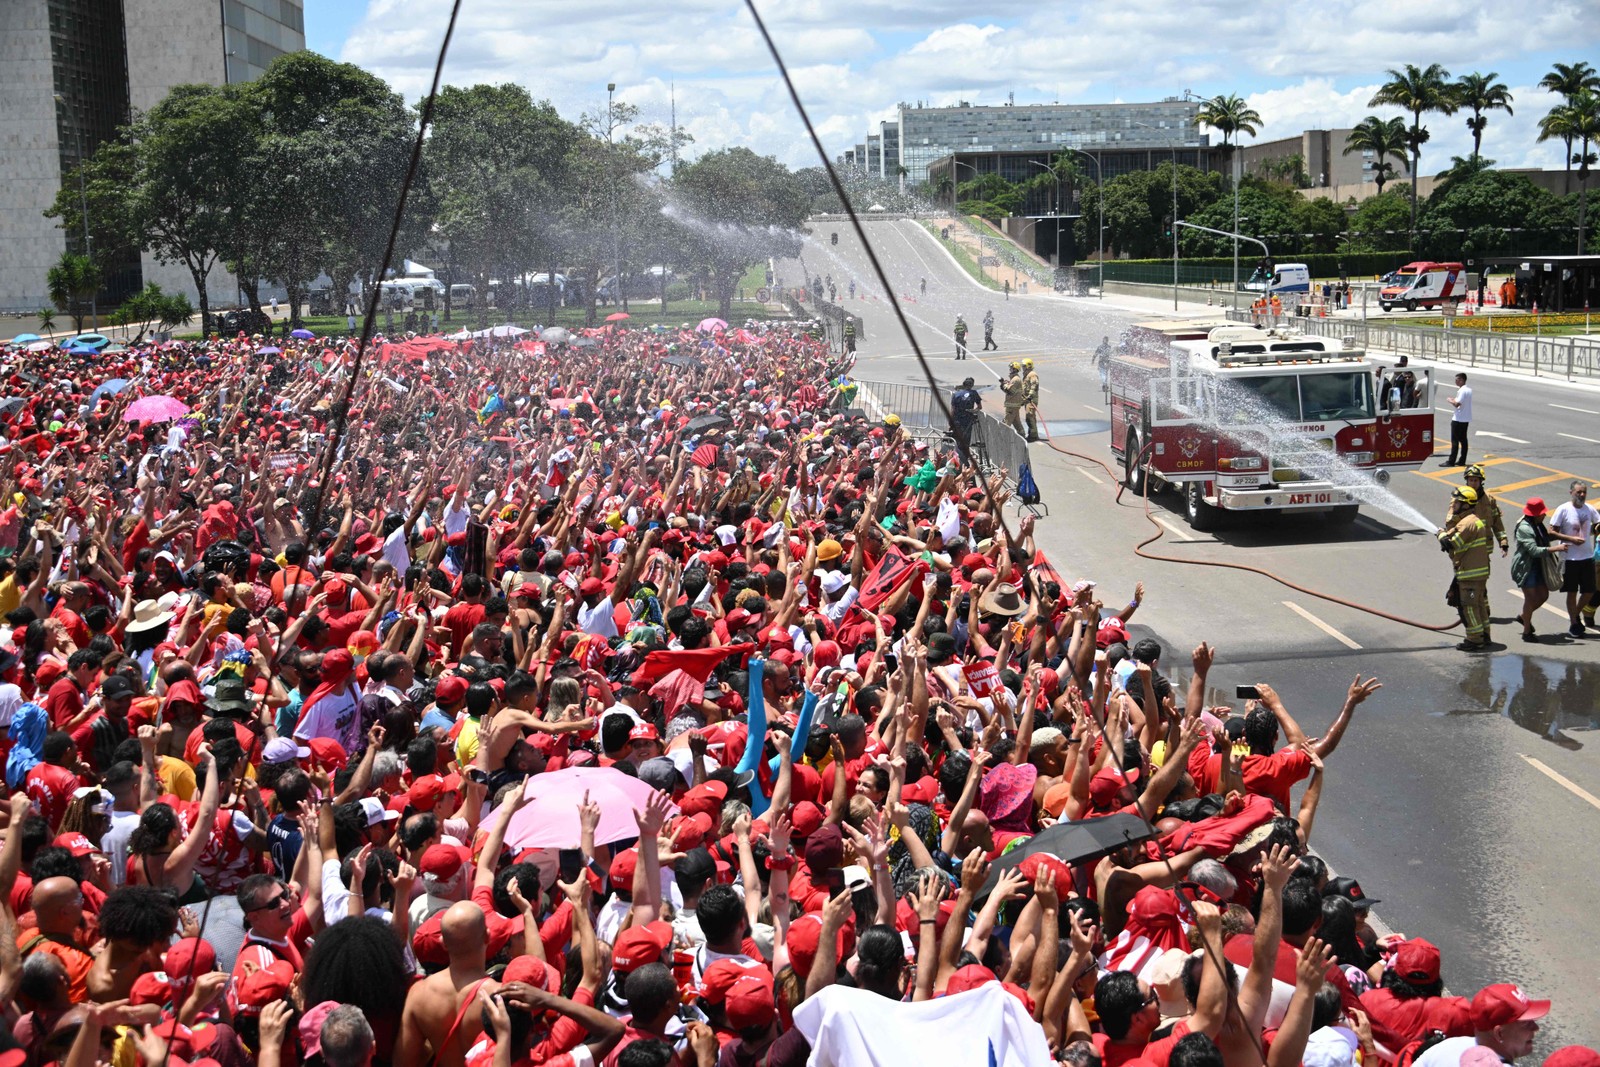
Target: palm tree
(71,283)
(1585,127)
(1229,116)
(1383,138)
(1419,91)
(47,321)
(1567,80)
(1479,93)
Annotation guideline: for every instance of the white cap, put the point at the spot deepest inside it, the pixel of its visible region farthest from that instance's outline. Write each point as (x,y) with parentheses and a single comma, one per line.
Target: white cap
(728,534)
(833,581)
(1330,1046)
(376,812)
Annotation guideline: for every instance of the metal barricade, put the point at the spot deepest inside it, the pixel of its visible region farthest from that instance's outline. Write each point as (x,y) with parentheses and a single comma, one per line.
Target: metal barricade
(915,404)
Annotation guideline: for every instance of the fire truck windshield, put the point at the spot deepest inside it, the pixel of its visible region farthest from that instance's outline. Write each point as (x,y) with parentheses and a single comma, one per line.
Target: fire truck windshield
(1296,398)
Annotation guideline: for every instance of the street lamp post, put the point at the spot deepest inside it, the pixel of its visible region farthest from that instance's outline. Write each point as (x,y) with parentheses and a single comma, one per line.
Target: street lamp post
(83,213)
(1057,176)
(1100,236)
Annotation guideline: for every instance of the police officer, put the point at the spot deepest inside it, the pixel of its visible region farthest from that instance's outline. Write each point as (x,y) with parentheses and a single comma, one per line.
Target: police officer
(1013,387)
(1466,539)
(1486,508)
(1030,397)
(965,403)
(988,331)
(961,337)
(850,335)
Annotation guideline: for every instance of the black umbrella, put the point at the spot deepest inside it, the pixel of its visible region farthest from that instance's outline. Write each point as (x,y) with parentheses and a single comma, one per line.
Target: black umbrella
(704,423)
(1074,842)
(10,404)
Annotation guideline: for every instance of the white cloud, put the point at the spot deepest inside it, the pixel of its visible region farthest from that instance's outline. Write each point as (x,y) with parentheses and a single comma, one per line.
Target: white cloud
(854,59)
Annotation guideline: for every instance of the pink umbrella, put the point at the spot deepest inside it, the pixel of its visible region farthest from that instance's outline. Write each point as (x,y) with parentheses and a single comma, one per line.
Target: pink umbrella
(618,316)
(550,818)
(711,325)
(156,408)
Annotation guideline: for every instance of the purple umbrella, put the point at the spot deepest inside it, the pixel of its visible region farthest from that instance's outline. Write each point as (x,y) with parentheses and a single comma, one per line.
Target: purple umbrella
(156,408)
(268,351)
(303,334)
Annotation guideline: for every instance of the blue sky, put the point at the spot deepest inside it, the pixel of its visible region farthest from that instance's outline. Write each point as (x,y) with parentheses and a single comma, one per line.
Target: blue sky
(854,59)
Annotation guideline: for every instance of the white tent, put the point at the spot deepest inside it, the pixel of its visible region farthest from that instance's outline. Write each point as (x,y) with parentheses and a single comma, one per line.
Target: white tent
(413,269)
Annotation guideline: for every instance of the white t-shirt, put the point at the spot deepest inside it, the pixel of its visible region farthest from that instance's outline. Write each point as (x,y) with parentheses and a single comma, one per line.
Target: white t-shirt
(1576,522)
(334,716)
(114,842)
(1463,405)
(600,619)
(1446,1053)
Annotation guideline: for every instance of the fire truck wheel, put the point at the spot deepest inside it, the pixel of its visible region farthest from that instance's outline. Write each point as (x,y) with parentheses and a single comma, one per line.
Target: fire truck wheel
(1202,516)
(1411,305)
(1345,515)
(1132,470)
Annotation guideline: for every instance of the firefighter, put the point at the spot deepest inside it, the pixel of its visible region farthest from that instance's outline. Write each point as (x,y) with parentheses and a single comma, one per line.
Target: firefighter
(1013,388)
(1486,508)
(961,337)
(1030,397)
(1466,539)
(988,331)
(850,335)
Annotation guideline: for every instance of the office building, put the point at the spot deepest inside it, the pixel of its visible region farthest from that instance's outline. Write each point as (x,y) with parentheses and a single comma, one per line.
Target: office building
(71,73)
(1315,159)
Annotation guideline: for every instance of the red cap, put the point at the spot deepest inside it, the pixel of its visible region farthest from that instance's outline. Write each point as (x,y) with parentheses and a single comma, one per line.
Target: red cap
(643,732)
(443,861)
(1107,782)
(533,971)
(262,987)
(971,976)
(425,791)
(717,978)
(529,590)
(1111,632)
(805,818)
(639,945)
(1573,1056)
(81,846)
(1417,961)
(750,1003)
(449,689)
(1029,869)
(622,868)
(152,987)
(1502,1003)
(704,799)
(591,586)
(328,752)
(805,933)
(691,830)
(189,957)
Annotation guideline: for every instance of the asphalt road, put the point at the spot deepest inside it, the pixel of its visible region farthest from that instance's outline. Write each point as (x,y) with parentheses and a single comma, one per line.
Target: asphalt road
(1460,794)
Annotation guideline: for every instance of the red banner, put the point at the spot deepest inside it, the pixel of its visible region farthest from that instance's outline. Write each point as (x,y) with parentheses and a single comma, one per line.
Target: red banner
(894,570)
(982,678)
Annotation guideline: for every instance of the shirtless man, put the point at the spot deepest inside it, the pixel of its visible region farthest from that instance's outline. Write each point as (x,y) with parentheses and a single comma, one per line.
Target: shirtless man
(439,1023)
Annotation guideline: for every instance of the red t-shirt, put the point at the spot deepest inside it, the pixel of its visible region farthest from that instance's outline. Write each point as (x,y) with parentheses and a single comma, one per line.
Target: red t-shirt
(460,620)
(64,701)
(1273,776)
(50,788)
(1396,1022)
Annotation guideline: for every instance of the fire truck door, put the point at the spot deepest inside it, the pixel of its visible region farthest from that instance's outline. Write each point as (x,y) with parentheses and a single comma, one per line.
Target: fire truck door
(1405,434)
(1182,426)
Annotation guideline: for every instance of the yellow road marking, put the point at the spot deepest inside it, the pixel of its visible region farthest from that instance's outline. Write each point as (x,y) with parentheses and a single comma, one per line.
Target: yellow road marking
(1498,489)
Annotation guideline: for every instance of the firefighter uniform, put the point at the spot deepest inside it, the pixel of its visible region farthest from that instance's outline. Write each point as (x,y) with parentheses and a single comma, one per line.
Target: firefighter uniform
(1013,387)
(1466,539)
(849,335)
(1486,508)
(1030,398)
(961,337)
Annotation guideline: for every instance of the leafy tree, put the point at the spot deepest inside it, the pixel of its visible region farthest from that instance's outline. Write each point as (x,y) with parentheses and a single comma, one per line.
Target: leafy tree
(1479,93)
(1138,209)
(1566,80)
(1584,122)
(1229,116)
(1383,138)
(1267,211)
(1490,213)
(747,207)
(1319,222)
(152,307)
(1459,170)
(1286,170)
(72,283)
(495,161)
(1419,90)
(989,195)
(1380,223)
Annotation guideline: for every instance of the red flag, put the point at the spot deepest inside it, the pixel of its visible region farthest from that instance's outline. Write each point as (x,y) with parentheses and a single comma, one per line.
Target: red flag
(698,663)
(892,571)
(1045,571)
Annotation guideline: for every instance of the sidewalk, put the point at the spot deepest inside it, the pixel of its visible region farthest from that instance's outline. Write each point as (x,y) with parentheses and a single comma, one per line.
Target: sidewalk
(978,249)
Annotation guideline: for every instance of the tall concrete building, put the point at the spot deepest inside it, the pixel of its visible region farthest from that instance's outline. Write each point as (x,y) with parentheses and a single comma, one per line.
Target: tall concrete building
(1321,158)
(71,73)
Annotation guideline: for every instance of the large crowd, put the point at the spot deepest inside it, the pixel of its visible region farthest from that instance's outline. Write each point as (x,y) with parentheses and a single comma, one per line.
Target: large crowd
(628,698)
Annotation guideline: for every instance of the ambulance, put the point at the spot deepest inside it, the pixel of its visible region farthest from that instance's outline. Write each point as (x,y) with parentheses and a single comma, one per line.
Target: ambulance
(1424,284)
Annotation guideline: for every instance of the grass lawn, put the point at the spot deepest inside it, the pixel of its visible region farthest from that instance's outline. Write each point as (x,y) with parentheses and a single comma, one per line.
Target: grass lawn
(640,313)
(963,257)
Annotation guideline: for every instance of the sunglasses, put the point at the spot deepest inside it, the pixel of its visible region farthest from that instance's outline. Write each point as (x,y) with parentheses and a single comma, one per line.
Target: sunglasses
(278,901)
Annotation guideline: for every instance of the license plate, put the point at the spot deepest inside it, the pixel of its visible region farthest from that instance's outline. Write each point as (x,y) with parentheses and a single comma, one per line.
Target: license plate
(1310,498)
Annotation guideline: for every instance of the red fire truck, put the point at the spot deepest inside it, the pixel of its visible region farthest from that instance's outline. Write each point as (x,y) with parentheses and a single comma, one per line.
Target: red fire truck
(1252,420)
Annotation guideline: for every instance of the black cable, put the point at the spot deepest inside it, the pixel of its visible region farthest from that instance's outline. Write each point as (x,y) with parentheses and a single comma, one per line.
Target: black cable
(341,410)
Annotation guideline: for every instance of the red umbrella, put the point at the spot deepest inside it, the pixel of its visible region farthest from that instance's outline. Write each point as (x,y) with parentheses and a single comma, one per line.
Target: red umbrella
(617,316)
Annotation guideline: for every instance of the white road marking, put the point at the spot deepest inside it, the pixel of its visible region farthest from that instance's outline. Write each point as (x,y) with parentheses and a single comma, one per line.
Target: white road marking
(1578,437)
(1584,411)
(1098,409)
(1319,624)
(1547,606)
(1562,780)
(1092,478)
(1447,411)
(1181,534)
(1502,437)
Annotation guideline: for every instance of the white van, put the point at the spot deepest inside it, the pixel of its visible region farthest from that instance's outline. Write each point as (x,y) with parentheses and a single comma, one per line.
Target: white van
(463,296)
(1286,278)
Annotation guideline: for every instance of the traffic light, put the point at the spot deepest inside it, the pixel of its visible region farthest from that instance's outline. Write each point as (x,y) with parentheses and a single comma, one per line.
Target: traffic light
(1166,225)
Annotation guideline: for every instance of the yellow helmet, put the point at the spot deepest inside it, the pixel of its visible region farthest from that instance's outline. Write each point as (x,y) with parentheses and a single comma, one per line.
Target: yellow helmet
(891,420)
(1027,364)
(1467,495)
(1015,365)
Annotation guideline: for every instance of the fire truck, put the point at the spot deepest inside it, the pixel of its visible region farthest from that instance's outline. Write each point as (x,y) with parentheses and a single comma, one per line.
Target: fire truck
(1244,419)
